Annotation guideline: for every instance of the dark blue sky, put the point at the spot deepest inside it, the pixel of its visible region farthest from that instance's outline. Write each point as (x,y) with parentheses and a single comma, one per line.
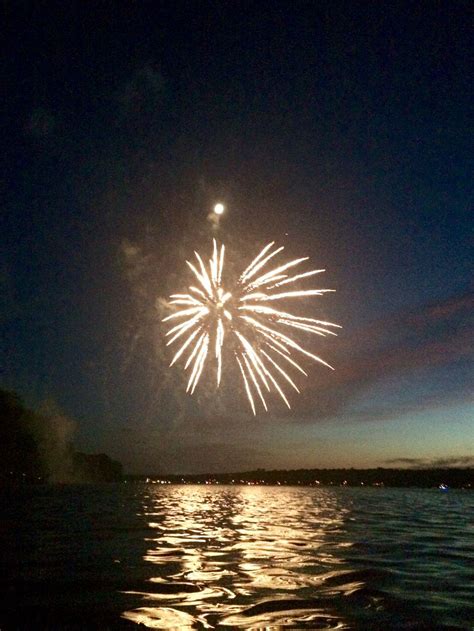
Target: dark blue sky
(341,130)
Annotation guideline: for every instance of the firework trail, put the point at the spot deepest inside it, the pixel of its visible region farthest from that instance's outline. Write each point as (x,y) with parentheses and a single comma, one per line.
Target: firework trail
(212,317)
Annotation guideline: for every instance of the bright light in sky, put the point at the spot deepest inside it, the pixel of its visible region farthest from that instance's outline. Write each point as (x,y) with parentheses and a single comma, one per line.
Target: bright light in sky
(219,209)
(211,314)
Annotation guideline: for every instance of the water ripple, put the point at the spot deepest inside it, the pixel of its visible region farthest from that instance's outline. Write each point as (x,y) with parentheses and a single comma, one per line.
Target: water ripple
(185,557)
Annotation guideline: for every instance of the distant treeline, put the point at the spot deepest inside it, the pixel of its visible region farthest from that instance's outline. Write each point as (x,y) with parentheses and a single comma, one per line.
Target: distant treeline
(455,478)
(35,447)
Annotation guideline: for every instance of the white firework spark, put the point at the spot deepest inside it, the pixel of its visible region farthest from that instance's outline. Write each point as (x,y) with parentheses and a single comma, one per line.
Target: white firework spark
(210,315)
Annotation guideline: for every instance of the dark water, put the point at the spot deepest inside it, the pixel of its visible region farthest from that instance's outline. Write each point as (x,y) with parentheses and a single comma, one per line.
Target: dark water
(201,557)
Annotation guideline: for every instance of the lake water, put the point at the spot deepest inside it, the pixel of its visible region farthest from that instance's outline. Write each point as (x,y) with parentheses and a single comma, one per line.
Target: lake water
(250,557)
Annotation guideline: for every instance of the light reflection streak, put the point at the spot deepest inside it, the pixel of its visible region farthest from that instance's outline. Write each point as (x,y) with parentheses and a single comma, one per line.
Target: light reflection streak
(215,553)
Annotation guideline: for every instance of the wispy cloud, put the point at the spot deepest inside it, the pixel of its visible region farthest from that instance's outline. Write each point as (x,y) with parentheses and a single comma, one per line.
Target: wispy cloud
(433,463)
(441,401)
(437,336)
(142,93)
(41,124)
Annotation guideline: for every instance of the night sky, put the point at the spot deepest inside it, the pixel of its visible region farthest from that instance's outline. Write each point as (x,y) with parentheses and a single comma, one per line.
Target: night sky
(340,130)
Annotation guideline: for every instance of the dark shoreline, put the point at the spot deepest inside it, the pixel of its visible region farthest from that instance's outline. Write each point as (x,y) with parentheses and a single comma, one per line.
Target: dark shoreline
(395,478)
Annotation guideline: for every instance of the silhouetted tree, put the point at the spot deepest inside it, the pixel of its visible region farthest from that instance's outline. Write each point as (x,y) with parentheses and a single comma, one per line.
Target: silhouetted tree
(35,446)
(19,456)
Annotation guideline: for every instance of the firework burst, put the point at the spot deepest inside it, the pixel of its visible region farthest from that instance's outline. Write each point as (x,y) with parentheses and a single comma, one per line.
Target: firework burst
(213,316)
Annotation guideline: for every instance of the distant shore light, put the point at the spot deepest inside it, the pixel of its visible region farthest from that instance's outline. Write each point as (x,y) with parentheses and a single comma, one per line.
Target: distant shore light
(219,209)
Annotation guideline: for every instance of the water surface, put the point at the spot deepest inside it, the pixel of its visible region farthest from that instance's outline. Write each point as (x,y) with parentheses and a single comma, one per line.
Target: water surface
(249,557)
